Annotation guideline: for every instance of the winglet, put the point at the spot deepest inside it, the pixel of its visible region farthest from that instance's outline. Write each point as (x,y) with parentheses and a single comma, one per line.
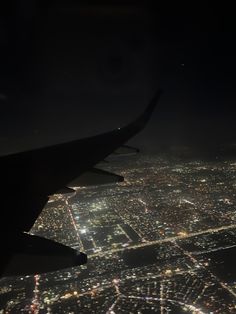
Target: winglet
(143,119)
(151,106)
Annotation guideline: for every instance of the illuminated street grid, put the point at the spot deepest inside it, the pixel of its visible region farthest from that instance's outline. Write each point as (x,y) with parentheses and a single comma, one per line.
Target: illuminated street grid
(156,243)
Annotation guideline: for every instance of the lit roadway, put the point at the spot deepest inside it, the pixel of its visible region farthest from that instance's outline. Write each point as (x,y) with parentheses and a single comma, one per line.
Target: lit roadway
(73,223)
(170,239)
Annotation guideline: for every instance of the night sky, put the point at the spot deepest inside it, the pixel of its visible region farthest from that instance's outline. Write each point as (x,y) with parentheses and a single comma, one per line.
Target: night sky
(71,70)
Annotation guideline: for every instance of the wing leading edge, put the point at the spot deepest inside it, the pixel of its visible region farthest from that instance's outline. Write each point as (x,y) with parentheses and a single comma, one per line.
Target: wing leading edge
(28,178)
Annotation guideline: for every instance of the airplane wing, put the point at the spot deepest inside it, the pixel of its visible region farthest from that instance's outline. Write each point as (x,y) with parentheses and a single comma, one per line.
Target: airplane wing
(124,150)
(29,178)
(96,176)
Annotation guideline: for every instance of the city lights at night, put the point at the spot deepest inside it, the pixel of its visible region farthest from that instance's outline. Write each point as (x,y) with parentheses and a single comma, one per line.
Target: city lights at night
(166,259)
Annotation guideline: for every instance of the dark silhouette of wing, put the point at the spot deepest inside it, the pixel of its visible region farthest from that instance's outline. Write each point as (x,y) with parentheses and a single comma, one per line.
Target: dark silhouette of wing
(31,254)
(29,178)
(124,150)
(96,177)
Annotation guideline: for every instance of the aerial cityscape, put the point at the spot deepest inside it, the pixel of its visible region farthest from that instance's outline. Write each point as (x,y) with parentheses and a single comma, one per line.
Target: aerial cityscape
(162,241)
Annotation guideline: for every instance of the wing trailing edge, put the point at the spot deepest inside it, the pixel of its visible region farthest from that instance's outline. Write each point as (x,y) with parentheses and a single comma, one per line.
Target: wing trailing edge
(32,254)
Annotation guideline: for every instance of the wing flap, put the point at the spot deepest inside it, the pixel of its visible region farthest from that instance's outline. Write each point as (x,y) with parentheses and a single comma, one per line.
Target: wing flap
(65,190)
(124,150)
(36,255)
(96,177)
